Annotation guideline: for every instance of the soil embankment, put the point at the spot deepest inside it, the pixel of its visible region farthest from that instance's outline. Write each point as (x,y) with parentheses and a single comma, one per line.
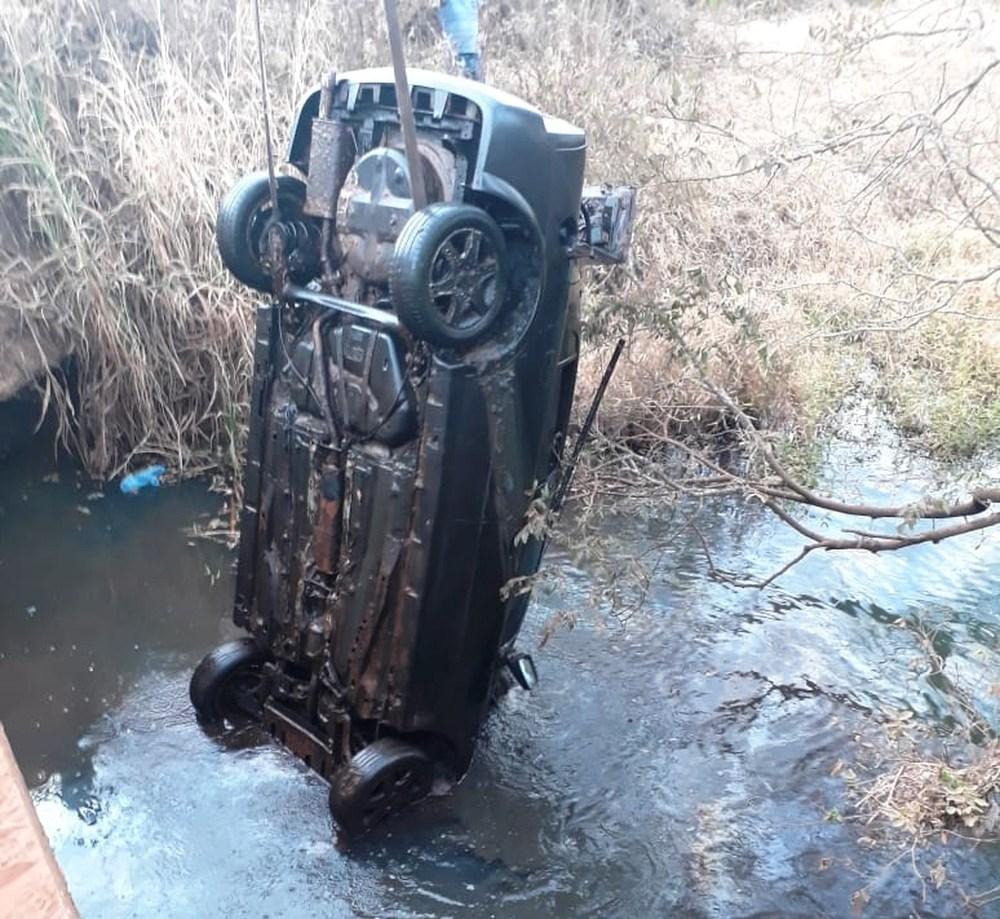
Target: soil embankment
(23,361)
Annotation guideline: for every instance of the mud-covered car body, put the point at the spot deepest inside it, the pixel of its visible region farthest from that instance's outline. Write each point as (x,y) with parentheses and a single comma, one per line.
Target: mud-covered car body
(394,460)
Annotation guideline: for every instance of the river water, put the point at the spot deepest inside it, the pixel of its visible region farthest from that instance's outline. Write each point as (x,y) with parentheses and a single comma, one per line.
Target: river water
(675,764)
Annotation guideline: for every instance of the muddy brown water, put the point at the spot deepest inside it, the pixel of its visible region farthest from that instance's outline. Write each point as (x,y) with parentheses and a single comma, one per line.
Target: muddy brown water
(677,764)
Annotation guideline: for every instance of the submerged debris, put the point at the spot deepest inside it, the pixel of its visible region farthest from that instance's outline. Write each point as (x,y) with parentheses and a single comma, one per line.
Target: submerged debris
(927,796)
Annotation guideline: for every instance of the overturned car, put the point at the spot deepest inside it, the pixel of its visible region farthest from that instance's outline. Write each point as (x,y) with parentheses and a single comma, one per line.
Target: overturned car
(413,378)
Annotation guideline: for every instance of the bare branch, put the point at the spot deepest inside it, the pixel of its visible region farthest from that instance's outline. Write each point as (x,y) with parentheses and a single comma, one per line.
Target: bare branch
(974,511)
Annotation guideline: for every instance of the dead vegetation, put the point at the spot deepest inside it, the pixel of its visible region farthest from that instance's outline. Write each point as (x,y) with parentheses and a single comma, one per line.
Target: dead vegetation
(816,191)
(817,197)
(915,787)
(927,797)
(121,125)
(924,785)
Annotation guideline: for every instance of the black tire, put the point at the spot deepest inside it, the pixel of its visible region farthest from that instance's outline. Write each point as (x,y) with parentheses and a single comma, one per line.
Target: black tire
(448,276)
(222,686)
(245,214)
(382,779)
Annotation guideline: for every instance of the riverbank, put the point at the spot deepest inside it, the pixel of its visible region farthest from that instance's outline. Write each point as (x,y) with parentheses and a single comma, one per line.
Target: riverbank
(814,195)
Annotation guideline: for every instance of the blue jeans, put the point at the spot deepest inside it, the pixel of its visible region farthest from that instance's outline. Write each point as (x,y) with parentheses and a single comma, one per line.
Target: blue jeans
(460,22)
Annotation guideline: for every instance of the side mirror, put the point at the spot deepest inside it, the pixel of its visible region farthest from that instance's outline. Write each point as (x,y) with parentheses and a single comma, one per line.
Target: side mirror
(605,231)
(522,668)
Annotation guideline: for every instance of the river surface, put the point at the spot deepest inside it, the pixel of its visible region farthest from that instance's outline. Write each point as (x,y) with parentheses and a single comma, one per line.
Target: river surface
(675,764)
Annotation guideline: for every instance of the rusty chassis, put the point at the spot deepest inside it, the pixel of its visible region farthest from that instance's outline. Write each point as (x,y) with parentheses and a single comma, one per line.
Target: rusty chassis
(412,387)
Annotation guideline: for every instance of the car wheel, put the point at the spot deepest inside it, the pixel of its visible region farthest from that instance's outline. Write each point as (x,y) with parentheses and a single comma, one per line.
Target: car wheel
(246,215)
(448,277)
(226,684)
(382,779)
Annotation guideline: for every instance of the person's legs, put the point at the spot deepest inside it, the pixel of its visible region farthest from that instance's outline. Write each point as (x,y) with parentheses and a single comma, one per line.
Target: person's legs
(472,66)
(460,21)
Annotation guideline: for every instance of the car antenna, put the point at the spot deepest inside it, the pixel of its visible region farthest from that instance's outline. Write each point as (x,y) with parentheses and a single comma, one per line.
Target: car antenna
(562,487)
(272,182)
(565,478)
(405,104)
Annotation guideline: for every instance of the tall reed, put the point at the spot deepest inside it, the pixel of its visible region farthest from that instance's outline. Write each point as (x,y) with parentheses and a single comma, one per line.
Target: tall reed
(775,239)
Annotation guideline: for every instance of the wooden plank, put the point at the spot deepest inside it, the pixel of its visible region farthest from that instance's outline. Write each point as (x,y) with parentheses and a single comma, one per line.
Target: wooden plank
(31,884)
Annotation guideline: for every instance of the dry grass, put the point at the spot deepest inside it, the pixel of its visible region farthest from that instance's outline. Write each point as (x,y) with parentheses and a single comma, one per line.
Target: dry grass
(914,785)
(802,205)
(917,803)
(811,207)
(928,796)
(121,125)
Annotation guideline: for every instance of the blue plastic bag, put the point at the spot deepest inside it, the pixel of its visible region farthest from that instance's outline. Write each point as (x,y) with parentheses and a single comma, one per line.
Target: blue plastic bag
(150,476)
